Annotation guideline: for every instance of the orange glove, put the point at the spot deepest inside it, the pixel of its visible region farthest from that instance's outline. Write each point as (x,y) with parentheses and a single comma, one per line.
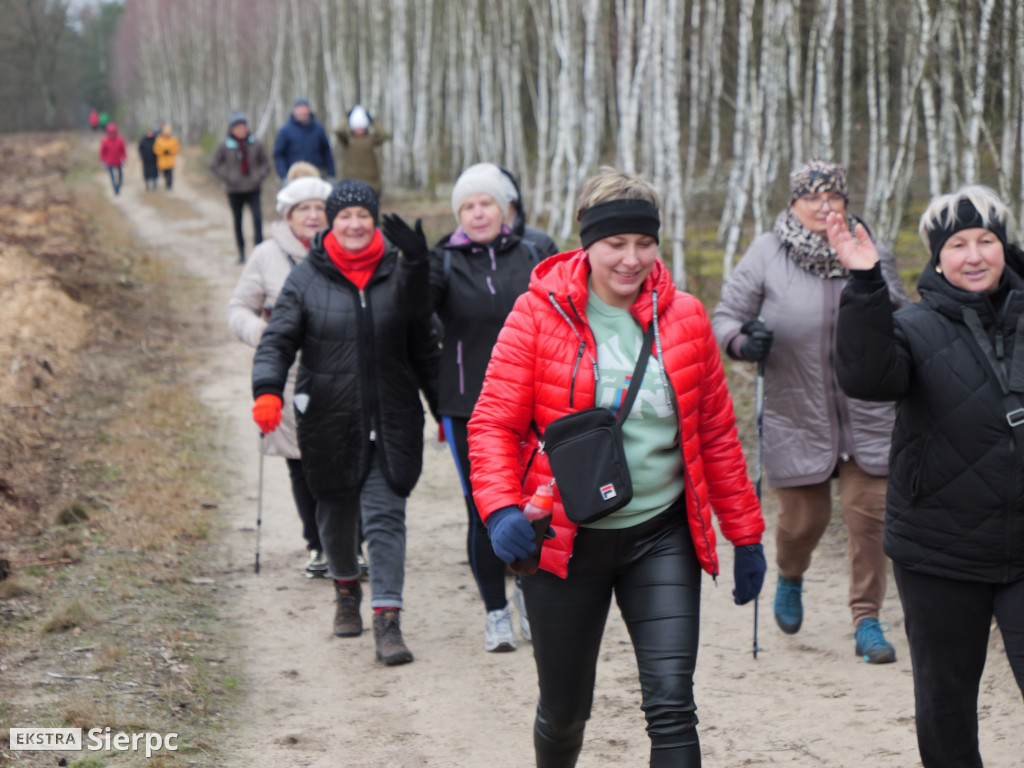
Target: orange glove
(266,412)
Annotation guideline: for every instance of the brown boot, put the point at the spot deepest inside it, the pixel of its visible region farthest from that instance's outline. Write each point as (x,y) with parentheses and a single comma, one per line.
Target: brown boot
(391,649)
(347,621)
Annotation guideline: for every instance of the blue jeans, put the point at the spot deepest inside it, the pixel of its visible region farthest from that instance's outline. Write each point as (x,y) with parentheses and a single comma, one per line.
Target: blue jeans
(383,520)
(115,177)
(653,572)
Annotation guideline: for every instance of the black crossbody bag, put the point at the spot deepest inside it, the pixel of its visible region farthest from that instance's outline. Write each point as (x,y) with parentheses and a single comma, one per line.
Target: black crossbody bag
(586,454)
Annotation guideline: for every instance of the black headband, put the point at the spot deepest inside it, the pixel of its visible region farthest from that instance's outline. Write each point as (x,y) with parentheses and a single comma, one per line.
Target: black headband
(618,217)
(967,217)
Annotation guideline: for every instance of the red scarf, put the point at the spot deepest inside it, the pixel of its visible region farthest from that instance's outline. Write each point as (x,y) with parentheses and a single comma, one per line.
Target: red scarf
(243,150)
(357,267)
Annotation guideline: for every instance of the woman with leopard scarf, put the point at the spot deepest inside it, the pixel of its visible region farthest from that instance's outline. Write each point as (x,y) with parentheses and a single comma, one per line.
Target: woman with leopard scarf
(780,308)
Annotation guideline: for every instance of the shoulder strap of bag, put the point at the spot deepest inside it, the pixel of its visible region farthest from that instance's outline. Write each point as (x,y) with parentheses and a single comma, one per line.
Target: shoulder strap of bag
(446,265)
(974,332)
(532,249)
(638,376)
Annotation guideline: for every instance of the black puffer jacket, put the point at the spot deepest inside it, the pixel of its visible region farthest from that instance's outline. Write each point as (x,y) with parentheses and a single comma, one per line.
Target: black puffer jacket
(365,354)
(955,504)
(472,297)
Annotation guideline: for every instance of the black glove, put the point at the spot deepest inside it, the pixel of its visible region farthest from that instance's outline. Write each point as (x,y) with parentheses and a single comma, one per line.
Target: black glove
(758,343)
(748,569)
(412,243)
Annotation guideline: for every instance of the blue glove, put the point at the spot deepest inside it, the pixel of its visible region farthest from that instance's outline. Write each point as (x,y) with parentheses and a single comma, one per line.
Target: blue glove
(512,536)
(748,571)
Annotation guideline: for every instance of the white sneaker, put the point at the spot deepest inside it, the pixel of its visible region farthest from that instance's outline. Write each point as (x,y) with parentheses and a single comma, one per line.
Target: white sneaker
(316,565)
(498,634)
(524,622)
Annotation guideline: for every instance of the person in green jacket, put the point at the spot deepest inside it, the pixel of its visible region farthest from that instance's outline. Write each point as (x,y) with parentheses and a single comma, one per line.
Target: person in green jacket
(359,140)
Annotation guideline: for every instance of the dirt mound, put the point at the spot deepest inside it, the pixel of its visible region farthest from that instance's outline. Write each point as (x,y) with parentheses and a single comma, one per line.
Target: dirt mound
(48,283)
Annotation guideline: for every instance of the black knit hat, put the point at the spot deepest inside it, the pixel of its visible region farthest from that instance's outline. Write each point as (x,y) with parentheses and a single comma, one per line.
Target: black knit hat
(966,216)
(349,192)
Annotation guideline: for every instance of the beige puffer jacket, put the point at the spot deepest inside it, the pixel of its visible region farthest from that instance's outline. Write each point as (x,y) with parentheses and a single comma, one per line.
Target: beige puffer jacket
(809,423)
(257,288)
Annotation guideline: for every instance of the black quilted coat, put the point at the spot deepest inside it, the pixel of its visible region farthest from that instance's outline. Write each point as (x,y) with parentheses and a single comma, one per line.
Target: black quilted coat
(365,355)
(955,504)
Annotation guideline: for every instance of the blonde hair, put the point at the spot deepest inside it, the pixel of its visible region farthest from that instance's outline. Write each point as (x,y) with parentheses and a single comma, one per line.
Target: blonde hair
(300,169)
(942,211)
(612,184)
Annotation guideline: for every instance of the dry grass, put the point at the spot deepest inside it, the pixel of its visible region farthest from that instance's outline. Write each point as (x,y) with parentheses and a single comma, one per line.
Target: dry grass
(84,711)
(73,614)
(109,511)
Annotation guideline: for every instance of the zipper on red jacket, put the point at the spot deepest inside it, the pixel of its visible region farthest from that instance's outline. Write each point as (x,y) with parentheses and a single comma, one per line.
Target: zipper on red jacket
(462,368)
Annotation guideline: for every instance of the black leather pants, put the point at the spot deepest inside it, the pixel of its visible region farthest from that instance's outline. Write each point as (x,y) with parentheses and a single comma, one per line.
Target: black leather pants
(653,572)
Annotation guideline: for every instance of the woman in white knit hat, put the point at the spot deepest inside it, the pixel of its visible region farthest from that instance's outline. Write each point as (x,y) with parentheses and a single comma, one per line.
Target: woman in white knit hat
(302,204)
(476,274)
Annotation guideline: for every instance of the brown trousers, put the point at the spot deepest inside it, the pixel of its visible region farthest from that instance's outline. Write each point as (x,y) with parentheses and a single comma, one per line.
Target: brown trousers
(804,514)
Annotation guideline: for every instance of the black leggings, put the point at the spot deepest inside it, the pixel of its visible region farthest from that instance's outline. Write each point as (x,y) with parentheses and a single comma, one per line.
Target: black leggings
(305,503)
(488,569)
(238,201)
(653,572)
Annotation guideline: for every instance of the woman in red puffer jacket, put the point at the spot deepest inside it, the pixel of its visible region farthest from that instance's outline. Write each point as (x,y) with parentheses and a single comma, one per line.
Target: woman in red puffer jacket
(570,343)
(113,155)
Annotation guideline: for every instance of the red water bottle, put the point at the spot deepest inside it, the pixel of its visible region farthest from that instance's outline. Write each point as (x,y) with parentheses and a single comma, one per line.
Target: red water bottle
(538,512)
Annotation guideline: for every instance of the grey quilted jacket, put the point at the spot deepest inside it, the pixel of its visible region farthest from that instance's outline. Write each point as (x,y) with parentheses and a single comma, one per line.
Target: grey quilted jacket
(809,423)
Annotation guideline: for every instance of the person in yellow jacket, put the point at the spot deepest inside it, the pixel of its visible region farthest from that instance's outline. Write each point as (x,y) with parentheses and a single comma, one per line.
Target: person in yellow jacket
(166,149)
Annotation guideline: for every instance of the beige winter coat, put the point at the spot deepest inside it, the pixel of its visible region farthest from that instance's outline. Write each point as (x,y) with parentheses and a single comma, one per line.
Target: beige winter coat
(249,311)
(809,423)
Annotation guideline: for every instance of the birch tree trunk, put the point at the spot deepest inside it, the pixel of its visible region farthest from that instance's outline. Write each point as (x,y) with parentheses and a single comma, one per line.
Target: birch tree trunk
(424,20)
(742,164)
(977,102)
(823,76)
(846,110)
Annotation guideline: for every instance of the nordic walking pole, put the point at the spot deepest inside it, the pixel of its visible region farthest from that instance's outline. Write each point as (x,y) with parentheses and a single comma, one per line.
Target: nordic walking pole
(759,420)
(259,506)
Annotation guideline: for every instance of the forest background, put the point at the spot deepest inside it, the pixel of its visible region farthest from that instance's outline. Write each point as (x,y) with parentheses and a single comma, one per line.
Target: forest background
(714,100)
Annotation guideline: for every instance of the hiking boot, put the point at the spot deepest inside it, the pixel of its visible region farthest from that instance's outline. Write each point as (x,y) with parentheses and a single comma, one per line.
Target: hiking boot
(391,648)
(347,621)
(524,621)
(498,634)
(316,565)
(871,643)
(789,609)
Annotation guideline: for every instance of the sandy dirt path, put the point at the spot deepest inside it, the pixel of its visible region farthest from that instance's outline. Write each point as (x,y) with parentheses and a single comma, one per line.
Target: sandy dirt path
(310,699)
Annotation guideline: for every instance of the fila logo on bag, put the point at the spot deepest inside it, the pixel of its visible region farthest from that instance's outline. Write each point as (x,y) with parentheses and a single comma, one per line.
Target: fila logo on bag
(607,492)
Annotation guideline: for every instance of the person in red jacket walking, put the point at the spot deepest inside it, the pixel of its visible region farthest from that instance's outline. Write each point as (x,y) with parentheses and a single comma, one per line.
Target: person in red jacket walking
(113,155)
(571,342)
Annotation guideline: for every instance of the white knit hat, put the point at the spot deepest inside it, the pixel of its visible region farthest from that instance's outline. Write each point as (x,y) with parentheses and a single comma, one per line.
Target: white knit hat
(483,179)
(358,118)
(299,191)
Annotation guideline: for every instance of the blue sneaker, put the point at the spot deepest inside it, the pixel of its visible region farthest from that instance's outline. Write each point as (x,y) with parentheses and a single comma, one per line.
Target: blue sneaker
(789,609)
(871,643)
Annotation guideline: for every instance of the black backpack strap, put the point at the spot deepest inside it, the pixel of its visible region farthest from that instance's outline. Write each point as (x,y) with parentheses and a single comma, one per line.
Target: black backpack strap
(534,256)
(446,266)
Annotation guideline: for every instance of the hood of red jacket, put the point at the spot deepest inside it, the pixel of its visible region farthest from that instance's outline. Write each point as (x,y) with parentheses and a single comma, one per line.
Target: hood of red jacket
(566,276)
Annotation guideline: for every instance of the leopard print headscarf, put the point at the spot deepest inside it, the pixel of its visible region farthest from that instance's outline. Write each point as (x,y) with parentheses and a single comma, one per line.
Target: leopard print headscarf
(817,177)
(809,250)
